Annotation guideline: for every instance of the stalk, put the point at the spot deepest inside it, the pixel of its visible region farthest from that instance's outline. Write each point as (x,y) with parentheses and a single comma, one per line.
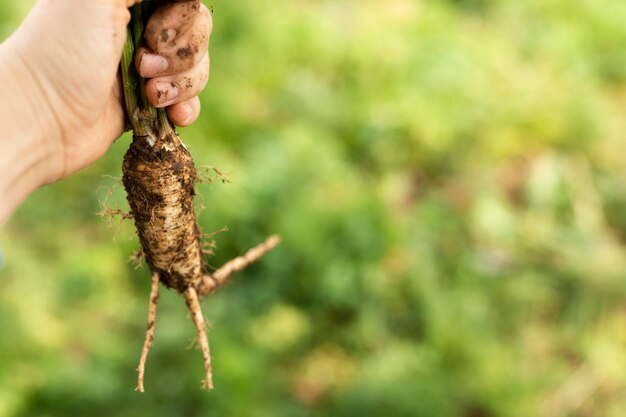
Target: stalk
(146,120)
(138,24)
(129,79)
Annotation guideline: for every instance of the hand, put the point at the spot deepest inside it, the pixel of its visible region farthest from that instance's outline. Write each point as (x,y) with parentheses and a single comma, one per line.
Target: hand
(65,60)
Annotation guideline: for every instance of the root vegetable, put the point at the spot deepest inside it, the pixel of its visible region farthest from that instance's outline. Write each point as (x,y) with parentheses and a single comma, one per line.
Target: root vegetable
(159,177)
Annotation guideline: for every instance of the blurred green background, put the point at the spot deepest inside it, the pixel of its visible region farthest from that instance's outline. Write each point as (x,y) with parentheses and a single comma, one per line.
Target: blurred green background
(449,178)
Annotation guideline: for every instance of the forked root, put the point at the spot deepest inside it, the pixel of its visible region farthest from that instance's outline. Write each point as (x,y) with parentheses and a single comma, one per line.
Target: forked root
(192,297)
(215,280)
(193,303)
(147,344)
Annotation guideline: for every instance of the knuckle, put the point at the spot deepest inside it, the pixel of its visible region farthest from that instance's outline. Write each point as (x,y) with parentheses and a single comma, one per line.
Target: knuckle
(187,55)
(180,32)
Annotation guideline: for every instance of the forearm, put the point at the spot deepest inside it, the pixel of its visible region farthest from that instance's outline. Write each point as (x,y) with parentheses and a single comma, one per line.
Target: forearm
(24,151)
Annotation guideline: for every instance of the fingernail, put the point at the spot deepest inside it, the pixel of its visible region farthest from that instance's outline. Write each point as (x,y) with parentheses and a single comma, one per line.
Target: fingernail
(152,65)
(166,92)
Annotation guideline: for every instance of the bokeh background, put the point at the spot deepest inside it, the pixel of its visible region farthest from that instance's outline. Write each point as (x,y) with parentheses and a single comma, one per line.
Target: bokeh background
(449,178)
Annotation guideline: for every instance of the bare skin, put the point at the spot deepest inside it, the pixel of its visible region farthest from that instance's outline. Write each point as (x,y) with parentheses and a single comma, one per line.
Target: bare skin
(66,109)
(65,106)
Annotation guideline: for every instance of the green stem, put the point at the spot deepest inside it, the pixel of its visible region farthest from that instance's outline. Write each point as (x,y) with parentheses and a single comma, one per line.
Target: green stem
(138,24)
(137,104)
(129,81)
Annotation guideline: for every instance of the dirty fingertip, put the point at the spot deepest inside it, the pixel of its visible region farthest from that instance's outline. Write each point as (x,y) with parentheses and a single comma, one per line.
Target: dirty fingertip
(185,113)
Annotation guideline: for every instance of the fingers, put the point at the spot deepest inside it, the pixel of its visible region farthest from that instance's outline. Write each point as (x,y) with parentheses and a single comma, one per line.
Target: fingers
(175,58)
(177,38)
(172,89)
(130,3)
(185,113)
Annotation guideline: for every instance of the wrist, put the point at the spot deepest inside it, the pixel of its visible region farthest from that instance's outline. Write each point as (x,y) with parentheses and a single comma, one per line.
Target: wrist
(31,145)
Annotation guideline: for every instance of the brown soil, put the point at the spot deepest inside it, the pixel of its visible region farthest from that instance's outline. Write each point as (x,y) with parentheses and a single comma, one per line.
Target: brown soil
(160,189)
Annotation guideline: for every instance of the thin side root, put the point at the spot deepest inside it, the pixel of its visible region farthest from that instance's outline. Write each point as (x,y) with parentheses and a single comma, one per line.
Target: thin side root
(193,303)
(147,344)
(213,281)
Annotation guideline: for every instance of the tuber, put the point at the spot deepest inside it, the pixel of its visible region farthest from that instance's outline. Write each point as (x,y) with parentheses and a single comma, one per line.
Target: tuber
(159,177)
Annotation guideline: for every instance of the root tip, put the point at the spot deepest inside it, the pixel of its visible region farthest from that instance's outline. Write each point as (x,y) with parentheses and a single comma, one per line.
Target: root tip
(274,240)
(207,384)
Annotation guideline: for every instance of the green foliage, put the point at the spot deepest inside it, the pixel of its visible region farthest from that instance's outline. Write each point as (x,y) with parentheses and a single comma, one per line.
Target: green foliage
(448,177)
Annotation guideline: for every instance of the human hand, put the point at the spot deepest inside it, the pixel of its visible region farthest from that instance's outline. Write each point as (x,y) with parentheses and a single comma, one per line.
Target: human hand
(65,60)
